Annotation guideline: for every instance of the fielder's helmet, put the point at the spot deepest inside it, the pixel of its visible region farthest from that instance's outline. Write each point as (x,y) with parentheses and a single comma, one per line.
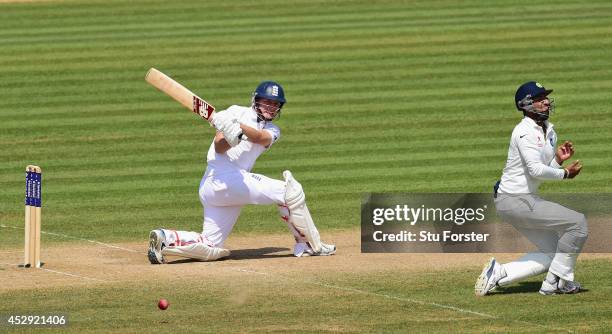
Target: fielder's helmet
(528,92)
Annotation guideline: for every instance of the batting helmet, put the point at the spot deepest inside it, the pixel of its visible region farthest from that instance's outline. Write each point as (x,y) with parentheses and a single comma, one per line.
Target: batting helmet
(272,91)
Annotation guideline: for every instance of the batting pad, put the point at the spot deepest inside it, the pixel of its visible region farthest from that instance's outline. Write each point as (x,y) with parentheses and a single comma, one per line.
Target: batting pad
(299,216)
(198,251)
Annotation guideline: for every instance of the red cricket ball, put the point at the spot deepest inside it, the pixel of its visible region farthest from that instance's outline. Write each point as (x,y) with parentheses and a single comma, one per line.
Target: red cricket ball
(163,304)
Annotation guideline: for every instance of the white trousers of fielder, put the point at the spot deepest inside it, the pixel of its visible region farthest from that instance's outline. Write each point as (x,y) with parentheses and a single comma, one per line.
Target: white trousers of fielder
(559,234)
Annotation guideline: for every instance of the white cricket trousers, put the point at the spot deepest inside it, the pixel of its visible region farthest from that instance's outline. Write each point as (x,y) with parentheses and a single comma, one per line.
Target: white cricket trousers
(559,234)
(222,197)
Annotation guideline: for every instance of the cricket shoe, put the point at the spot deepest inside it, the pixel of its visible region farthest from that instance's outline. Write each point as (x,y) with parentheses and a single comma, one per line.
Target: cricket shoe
(560,287)
(327,249)
(303,249)
(157,240)
(491,274)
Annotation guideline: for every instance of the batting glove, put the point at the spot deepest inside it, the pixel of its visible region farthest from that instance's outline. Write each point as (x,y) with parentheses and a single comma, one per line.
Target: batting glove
(220,121)
(232,133)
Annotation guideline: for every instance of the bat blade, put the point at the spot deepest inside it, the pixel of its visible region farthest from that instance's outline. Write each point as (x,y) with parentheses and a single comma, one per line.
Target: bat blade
(180,94)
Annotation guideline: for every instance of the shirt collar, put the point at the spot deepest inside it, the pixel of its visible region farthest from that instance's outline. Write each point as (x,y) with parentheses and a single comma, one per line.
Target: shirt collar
(532,123)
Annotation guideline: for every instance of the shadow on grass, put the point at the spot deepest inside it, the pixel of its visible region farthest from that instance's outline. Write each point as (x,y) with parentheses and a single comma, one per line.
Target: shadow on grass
(523,287)
(259,253)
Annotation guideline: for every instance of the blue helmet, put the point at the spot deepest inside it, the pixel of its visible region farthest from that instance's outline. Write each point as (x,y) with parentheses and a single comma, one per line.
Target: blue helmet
(272,91)
(527,93)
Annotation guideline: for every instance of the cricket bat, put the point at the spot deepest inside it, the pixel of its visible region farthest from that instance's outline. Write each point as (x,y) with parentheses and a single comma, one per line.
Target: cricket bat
(181,94)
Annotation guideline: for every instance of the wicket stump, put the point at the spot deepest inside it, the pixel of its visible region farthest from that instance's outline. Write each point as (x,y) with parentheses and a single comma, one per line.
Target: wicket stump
(33,204)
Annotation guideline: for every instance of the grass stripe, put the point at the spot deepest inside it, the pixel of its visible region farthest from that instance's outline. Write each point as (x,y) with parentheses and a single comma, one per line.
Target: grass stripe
(382,97)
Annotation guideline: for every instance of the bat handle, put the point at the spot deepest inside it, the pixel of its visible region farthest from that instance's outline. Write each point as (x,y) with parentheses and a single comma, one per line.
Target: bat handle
(202,108)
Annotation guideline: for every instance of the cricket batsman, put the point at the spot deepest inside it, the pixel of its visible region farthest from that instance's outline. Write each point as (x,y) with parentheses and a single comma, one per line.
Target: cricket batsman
(243,134)
(559,233)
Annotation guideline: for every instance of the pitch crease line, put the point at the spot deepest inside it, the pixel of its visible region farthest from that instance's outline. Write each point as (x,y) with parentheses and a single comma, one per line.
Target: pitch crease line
(409,300)
(75,275)
(485,315)
(77,238)
(60,272)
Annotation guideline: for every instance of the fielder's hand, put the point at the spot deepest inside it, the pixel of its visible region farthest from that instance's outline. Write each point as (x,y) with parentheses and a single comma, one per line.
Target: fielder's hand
(573,169)
(564,151)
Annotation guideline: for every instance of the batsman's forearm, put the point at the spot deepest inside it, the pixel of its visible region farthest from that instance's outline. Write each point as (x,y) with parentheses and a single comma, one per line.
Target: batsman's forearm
(221,145)
(256,136)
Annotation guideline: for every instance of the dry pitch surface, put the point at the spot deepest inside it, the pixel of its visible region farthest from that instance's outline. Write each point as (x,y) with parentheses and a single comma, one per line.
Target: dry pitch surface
(92,262)
(262,288)
(99,263)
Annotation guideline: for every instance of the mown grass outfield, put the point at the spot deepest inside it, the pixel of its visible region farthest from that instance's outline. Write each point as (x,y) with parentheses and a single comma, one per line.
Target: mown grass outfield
(380,303)
(386,96)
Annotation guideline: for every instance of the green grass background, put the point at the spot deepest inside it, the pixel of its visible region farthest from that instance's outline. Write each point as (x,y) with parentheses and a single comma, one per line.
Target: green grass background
(385,96)
(384,302)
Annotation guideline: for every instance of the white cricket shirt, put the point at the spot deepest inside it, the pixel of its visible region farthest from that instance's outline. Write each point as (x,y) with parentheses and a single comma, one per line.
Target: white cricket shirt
(243,155)
(531,158)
